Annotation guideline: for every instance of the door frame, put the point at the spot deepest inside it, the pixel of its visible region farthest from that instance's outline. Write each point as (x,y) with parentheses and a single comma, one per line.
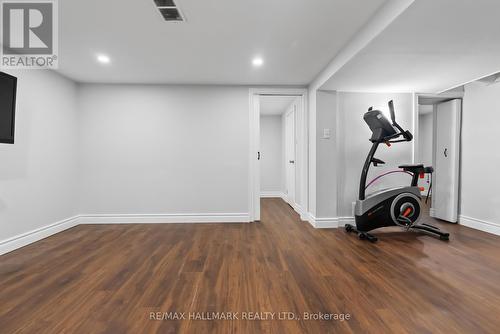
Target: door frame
(287,198)
(415,144)
(302,155)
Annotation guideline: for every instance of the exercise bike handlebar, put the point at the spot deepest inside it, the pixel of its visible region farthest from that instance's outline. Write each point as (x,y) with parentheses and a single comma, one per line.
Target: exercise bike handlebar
(406,134)
(391,110)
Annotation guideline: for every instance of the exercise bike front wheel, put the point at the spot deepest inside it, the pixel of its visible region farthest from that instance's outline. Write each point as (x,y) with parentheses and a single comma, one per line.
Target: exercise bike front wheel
(405,210)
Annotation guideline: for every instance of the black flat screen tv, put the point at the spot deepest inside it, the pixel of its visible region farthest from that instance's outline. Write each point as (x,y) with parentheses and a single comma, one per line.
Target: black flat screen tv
(8,85)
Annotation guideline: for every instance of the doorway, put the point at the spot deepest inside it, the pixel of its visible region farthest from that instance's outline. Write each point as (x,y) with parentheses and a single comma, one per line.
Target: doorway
(437,144)
(278,115)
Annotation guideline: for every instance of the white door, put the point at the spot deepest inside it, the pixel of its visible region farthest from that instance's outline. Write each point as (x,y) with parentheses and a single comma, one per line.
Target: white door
(290,156)
(446,162)
(255,158)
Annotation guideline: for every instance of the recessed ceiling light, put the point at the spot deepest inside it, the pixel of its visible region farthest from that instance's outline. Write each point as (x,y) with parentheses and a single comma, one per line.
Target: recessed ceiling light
(103,59)
(257,61)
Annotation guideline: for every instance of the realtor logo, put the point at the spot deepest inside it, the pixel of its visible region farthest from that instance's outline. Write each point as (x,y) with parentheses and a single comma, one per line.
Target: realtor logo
(29,34)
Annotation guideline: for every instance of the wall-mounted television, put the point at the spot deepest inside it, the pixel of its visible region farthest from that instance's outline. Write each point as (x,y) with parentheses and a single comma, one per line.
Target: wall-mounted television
(8,85)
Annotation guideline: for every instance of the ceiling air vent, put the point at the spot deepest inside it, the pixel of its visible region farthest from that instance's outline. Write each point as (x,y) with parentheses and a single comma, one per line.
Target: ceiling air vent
(165,3)
(169,10)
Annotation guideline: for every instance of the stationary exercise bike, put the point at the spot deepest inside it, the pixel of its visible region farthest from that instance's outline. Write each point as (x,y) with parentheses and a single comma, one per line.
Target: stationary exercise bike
(389,207)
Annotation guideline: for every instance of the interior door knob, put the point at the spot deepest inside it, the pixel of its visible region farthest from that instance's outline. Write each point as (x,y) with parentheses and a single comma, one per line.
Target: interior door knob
(292,161)
(446,152)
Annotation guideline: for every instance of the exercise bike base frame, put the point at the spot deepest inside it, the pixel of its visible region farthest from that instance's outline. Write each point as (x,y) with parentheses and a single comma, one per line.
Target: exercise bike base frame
(445,236)
(362,235)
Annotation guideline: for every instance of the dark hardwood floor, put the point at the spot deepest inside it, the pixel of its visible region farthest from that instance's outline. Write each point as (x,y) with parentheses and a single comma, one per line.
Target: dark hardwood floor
(109,278)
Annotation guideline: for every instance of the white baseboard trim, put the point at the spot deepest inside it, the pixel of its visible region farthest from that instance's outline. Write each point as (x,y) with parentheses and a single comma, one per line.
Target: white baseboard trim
(21,240)
(326,222)
(478,224)
(346,220)
(309,217)
(164,218)
(271,194)
(333,222)
(297,208)
(305,216)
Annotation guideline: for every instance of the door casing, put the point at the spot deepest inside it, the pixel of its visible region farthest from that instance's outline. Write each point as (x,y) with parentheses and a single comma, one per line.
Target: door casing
(302,153)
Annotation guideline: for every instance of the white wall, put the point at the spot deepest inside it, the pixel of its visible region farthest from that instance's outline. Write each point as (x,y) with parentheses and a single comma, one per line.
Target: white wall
(271,148)
(326,155)
(425,144)
(163,149)
(38,172)
(311,168)
(425,138)
(354,136)
(480,195)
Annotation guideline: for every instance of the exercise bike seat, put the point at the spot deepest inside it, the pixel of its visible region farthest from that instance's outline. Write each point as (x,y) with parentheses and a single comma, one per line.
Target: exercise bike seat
(416,168)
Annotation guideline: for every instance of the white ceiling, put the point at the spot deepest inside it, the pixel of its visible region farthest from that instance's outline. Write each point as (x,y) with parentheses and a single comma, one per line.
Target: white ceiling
(296,38)
(274,105)
(434,45)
